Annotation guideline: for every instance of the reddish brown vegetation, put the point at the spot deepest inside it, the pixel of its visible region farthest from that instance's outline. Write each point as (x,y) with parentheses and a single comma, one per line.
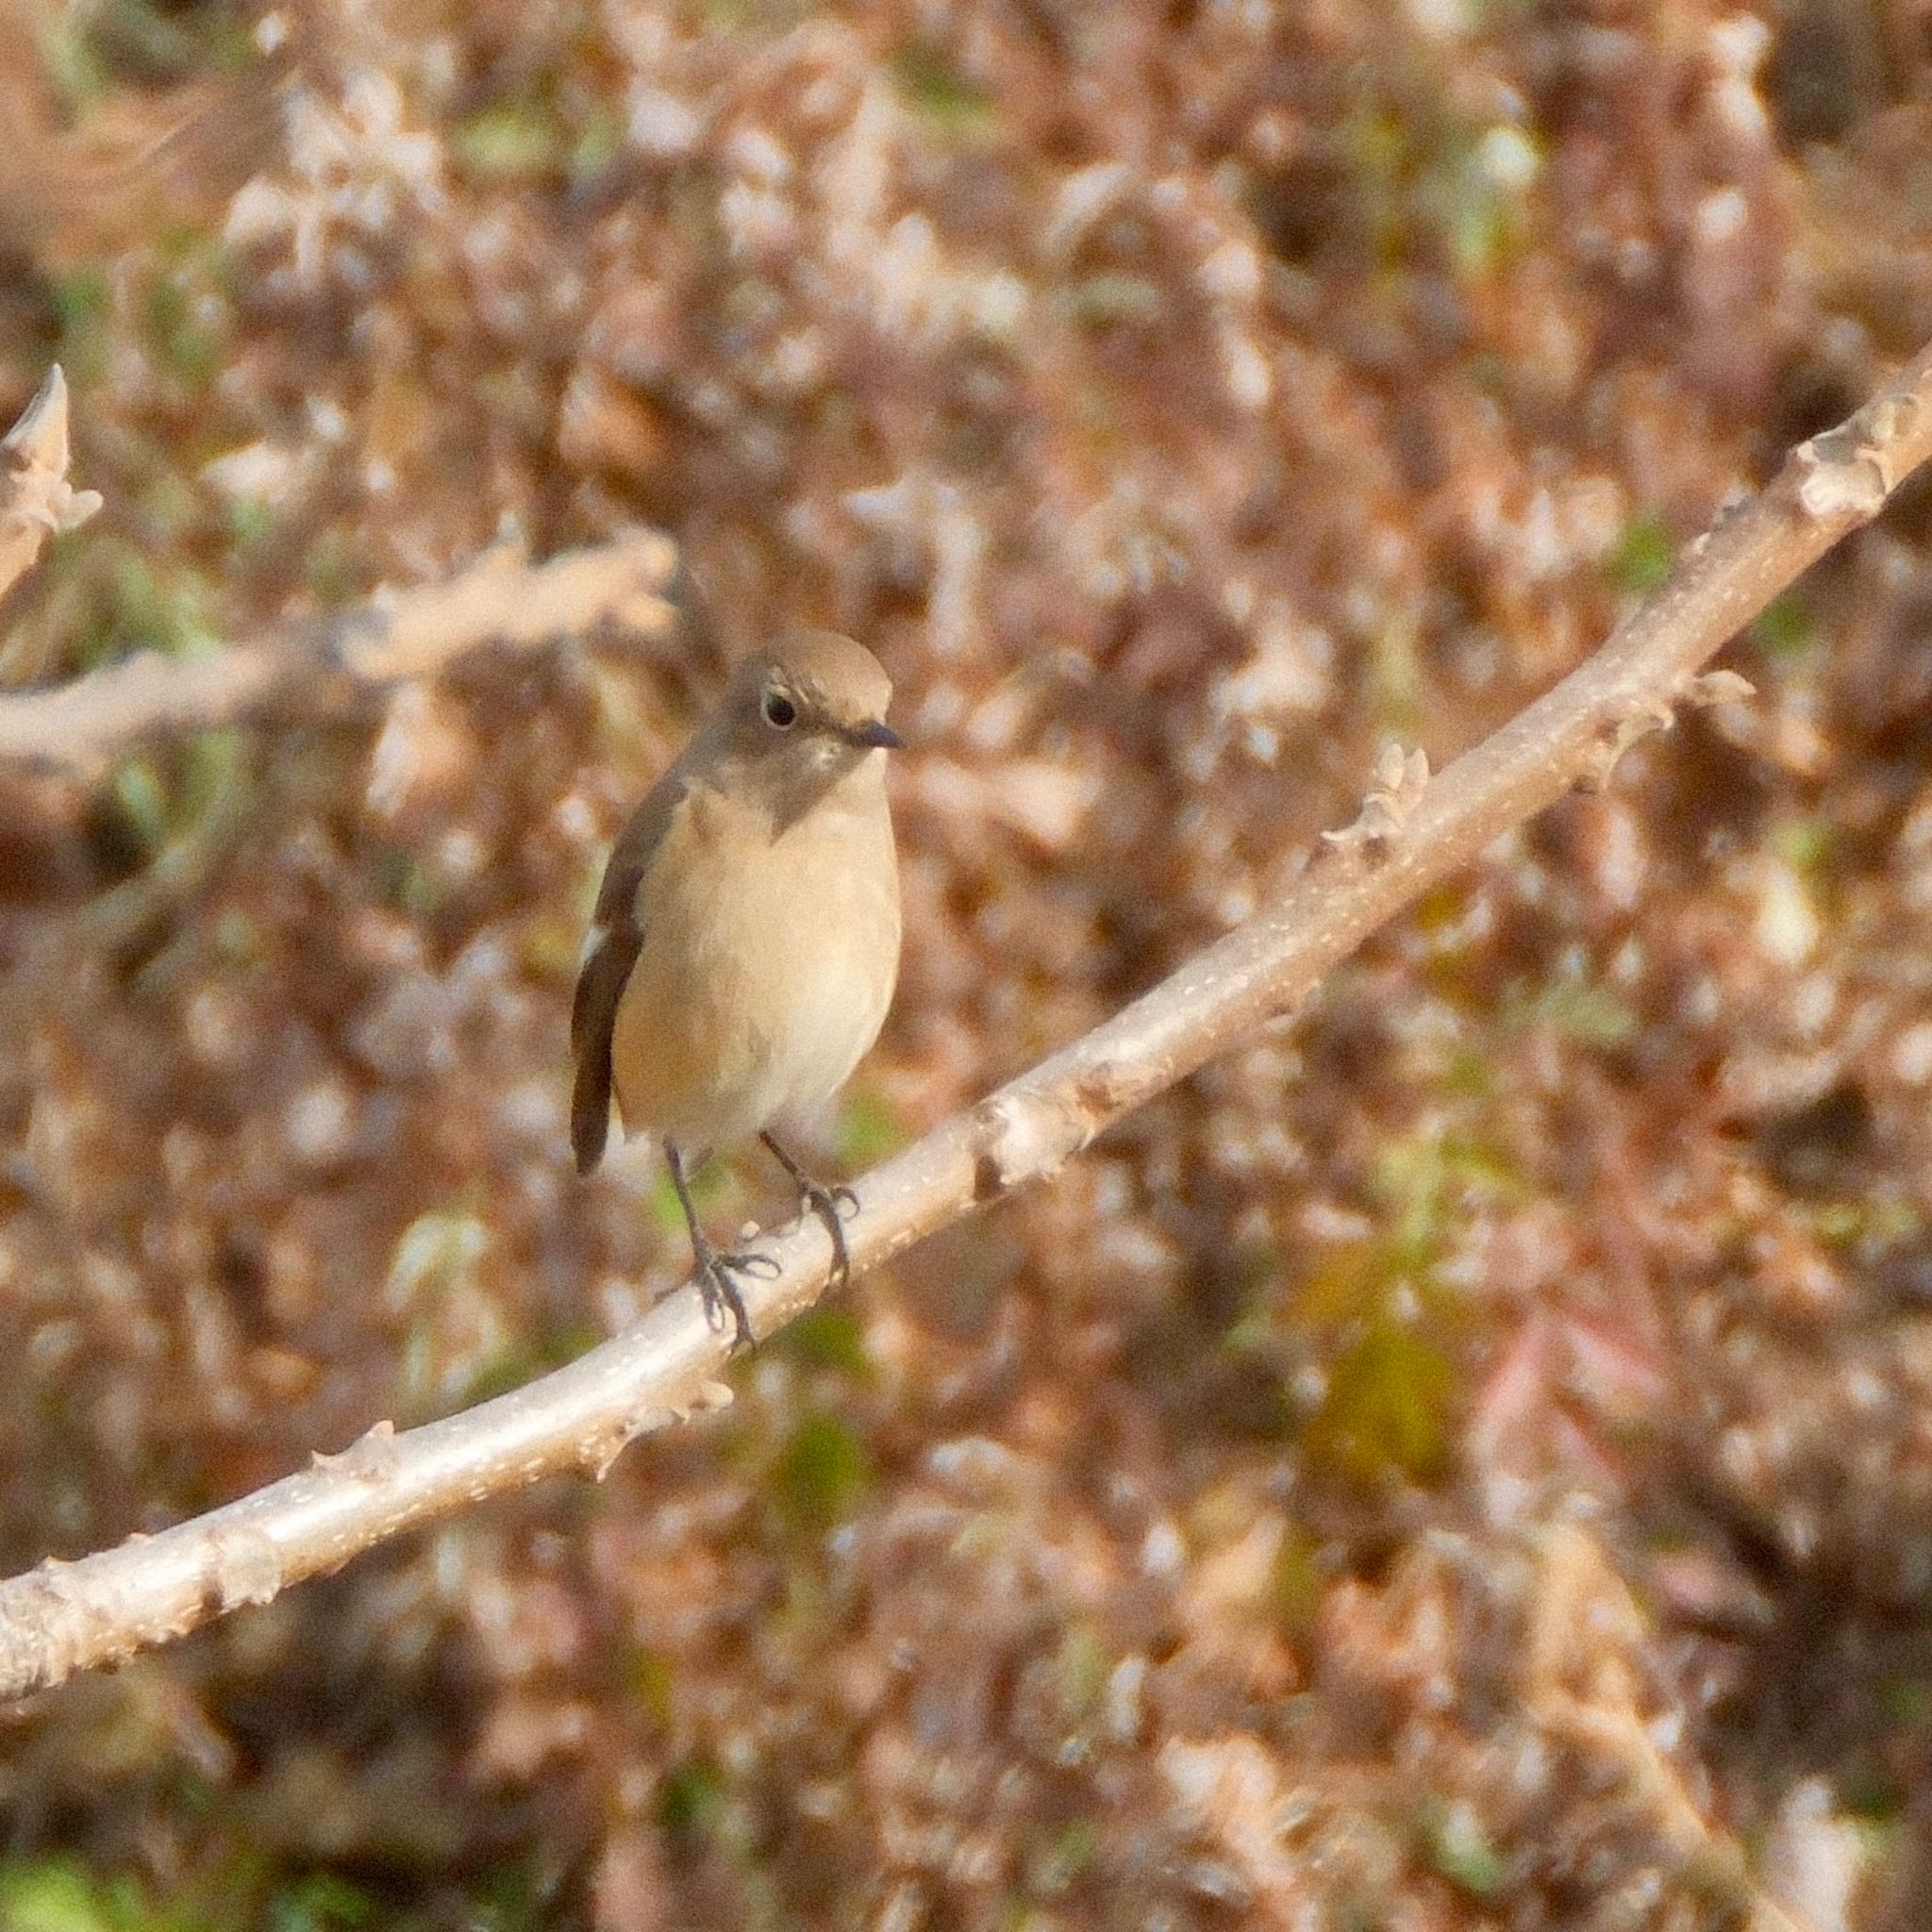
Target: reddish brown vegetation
(1463,1462)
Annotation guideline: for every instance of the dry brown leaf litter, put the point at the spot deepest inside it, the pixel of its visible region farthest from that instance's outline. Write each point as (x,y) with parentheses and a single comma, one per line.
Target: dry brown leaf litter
(1184,402)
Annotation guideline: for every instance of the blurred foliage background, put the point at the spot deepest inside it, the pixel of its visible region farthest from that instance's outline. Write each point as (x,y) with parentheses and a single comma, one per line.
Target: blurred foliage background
(1462,1461)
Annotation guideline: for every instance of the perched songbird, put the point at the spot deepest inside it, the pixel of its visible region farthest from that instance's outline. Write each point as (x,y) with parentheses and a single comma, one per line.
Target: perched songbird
(746,938)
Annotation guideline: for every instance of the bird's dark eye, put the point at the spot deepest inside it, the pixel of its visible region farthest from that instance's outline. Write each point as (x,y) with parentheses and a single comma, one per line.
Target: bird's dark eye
(780,712)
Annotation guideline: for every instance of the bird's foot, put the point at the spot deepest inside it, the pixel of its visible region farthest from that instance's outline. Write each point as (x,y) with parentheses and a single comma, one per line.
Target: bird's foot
(720,1293)
(833,1207)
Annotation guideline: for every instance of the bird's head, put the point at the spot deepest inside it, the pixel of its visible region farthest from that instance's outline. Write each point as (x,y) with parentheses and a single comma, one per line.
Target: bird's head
(803,715)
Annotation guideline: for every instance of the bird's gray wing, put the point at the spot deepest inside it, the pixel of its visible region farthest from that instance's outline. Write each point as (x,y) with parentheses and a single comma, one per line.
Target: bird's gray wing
(616,939)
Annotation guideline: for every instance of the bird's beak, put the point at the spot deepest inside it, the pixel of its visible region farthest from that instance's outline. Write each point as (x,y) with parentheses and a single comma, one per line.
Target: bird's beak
(877,735)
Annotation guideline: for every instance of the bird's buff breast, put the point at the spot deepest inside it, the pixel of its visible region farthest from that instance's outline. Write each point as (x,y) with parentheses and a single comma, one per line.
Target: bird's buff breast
(766,968)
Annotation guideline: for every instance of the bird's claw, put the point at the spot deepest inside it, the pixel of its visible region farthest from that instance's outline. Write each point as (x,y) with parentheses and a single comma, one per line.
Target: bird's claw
(831,1206)
(720,1293)
(829,1203)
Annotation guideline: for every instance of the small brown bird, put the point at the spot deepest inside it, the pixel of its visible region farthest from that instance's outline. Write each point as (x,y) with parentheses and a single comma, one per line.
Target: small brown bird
(745,943)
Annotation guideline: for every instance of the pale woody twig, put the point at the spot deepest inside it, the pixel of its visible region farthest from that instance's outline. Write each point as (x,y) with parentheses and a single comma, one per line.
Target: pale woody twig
(63,1618)
(36,500)
(501,598)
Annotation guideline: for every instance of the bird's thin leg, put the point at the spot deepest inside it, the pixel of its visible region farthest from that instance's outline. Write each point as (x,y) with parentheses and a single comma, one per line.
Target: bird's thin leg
(714,1270)
(828,1204)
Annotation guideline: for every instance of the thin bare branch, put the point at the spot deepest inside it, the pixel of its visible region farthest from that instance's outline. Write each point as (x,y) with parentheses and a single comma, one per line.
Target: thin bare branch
(502,598)
(36,500)
(65,1617)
